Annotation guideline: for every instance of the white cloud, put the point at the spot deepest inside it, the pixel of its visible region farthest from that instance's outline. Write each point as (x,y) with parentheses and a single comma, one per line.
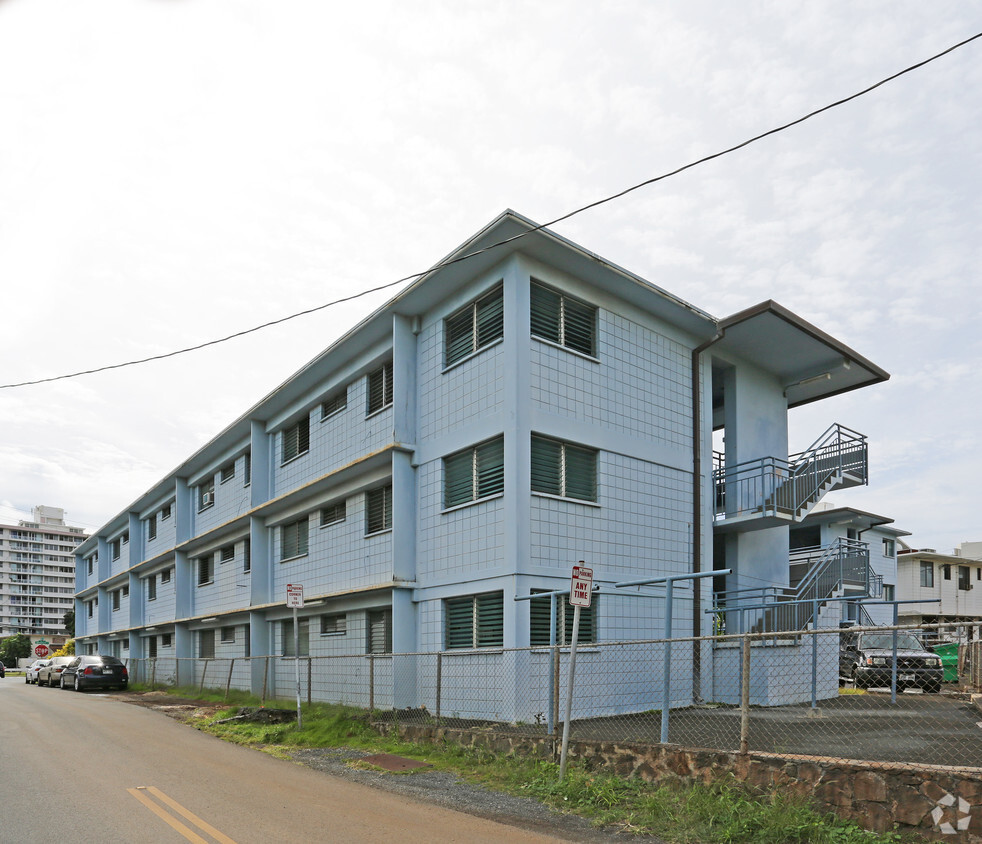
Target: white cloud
(176,172)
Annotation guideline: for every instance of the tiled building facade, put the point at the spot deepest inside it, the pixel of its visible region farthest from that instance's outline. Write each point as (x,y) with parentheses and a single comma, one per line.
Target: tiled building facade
(501,419)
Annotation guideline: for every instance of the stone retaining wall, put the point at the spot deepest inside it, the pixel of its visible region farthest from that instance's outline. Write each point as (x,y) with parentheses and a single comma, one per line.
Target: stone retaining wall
(941,803)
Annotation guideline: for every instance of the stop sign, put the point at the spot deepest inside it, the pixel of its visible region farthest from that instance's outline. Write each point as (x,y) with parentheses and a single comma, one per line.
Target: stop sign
(41,651)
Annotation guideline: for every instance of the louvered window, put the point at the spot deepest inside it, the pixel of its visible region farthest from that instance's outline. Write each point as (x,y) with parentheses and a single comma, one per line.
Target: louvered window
(473,327)
(335,404)
(560,319)
(227,553)
(476,621)
(152,647)
(380,388)
(288,640)
(247,468)
(334,514)
(293,539)
(296,439)
(476,473)
(206,644)
(380,632)
(205,574)
(116,599)
(539,612)
(228,635)
(152,527)
(227,472)
(114,549)
(559,468)
(378,509)
(247,556)
(334,625)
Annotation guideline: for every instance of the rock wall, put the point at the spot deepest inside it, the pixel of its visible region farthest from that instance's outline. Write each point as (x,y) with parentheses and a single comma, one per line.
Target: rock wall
(940,803)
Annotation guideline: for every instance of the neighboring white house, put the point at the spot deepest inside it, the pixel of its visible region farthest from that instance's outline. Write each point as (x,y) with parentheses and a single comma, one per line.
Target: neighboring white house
(37,575)
(506,416)
(949,584)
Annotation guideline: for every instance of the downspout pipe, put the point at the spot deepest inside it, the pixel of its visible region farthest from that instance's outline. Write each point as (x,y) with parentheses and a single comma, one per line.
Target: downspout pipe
(697,504)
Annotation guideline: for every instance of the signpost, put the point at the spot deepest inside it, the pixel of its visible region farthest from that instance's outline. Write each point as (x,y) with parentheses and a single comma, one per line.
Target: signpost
(580,595)
(294,599)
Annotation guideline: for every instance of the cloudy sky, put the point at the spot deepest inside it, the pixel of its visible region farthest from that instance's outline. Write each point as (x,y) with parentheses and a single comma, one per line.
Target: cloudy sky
(175,172)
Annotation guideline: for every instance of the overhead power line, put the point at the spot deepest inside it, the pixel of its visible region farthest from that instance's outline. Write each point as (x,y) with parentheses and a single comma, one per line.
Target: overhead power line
(508,240)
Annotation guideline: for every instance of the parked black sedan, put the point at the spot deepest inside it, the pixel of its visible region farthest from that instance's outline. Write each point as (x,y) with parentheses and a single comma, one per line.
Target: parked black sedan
(95,672)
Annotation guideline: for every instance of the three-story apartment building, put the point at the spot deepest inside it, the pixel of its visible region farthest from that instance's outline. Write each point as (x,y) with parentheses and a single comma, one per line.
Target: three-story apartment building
(523,406)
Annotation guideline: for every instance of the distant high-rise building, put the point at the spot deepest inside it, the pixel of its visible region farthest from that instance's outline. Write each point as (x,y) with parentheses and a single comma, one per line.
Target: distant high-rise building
(37,573)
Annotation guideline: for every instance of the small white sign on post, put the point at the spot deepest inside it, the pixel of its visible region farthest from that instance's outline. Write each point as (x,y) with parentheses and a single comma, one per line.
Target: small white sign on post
(294,600)
(581,588)
(580,595)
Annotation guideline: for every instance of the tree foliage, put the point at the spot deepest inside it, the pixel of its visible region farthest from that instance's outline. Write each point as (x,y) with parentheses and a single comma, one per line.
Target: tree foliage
(13,648)
(69,622)
(68,649)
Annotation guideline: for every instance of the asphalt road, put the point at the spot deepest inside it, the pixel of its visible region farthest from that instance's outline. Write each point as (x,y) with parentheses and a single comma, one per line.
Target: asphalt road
(87,768)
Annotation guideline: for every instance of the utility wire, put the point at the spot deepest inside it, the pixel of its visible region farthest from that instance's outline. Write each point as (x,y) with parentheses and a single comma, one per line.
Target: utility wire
(518,236)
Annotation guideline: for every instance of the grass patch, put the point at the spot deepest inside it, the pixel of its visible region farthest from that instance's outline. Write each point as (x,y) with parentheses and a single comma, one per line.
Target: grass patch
(725,812)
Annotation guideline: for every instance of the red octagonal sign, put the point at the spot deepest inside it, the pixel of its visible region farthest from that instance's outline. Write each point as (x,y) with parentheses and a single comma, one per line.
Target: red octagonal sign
(41,651)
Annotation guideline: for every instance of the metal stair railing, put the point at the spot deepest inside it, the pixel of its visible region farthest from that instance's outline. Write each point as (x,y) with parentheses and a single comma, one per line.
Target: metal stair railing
(785,609)
(771,486)
(839,451)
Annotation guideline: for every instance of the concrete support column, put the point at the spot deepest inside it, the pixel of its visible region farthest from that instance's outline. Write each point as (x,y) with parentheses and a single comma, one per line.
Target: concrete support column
(518,475)
(183,511)
(260,646)
(261,485)
(183,586)
(137,539)
(260,573)
(183,650)
(405,634)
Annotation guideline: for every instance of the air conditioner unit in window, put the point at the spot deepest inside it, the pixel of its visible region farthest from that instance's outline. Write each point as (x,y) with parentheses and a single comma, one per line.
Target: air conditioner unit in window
(207,499)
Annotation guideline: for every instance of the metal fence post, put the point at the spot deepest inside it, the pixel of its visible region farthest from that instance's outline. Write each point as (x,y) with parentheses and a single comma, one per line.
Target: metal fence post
(554,709)
(371,682)
(309,675)
(204,670)
(745,695)
(666,680)
(265,680)
(439,683)
(228,682)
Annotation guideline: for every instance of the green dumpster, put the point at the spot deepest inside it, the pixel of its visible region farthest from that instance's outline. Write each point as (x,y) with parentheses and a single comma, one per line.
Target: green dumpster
(949,659)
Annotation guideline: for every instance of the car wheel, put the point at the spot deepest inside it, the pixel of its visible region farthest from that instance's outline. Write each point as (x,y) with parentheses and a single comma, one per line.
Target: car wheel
(860,684)
(61,682)
(39,682)
(932,688)
(78,686)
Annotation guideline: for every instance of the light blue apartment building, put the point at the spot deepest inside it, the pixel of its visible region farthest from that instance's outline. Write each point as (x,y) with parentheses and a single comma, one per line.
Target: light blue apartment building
(507,415)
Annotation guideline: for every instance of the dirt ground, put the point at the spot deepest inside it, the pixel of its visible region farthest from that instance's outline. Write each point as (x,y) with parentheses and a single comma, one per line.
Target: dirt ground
(429,786)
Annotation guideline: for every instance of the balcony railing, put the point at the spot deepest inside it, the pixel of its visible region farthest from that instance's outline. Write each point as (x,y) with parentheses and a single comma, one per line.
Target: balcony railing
(788,489)
(817,575)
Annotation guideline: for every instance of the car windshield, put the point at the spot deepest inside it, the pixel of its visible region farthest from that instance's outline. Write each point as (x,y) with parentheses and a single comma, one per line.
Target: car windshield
(884,641)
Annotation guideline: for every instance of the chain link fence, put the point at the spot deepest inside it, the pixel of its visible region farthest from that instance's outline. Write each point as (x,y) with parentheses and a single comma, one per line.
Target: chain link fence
(873,694)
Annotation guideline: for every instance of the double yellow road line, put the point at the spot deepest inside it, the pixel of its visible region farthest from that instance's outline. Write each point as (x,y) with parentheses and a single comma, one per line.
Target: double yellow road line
(145,793)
